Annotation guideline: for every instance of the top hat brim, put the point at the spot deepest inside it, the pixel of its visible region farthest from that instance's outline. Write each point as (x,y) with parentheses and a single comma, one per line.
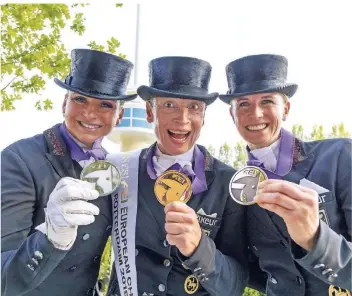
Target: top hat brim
(93,94)
(287,89)
(147,93)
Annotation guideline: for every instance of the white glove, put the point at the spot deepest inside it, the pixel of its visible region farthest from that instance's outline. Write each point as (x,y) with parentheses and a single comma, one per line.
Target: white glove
(68,207)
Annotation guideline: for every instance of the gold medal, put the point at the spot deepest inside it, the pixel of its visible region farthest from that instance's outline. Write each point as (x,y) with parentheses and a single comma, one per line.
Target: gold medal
(244,183)
(191,284)
(104,176)
(172,186)
(336,291)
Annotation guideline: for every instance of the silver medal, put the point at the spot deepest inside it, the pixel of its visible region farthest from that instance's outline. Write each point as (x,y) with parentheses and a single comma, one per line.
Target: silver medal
(103,175)
(244,183)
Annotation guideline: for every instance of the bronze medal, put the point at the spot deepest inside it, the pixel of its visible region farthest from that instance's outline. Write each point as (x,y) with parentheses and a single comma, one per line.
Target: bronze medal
(104,176)
(244,183)
(172,186)
(191,284)
(336,291)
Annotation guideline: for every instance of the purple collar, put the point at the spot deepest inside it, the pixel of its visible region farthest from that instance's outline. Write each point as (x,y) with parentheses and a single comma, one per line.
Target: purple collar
(199,183)
(77,153)
(285,158)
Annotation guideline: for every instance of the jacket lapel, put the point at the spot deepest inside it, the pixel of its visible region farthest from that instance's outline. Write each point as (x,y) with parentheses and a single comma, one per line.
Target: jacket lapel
(208,165)
(58,154)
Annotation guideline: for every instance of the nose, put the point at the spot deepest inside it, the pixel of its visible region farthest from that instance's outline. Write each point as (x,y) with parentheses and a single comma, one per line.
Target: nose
(182,116)
(256,112)
(90,112)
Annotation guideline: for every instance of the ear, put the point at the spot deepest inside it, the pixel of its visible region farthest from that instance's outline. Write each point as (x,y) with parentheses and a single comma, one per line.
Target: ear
(149,110)
(231,114)
(64,103)
(119,117)
(287,109)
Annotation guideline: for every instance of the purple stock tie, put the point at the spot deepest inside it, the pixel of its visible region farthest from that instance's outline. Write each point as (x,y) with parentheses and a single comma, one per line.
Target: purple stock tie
(77,153)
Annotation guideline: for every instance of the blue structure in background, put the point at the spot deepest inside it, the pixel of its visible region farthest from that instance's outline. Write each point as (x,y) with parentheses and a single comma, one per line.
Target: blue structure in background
(134,117)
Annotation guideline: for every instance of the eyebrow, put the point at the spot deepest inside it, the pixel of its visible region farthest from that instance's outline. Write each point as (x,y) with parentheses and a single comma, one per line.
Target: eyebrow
(242,98)
(267,97)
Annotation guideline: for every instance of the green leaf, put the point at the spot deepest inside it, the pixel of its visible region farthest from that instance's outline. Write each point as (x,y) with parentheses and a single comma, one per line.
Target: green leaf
(33,50)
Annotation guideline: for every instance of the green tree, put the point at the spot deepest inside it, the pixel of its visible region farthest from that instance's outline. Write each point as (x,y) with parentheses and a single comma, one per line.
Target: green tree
(339,131)
(32,50)
(297,131)
(240,156)
(212,150)
(251,292)
(105,266)
(317,133)
(225,154)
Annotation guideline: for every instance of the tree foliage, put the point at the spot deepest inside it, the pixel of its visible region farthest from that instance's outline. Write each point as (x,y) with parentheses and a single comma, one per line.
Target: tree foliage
(32,49)
(318,133)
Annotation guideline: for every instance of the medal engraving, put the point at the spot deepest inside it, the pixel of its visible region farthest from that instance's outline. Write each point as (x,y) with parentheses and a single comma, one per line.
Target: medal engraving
(103,175)
(244,183)
(172,186)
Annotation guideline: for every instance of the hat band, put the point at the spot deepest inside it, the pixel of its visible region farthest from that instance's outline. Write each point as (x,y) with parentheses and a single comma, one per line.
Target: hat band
(94,86)
(181,88)
(256,86)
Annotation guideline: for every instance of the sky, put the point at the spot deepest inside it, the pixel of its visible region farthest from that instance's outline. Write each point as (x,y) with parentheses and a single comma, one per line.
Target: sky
(315,37)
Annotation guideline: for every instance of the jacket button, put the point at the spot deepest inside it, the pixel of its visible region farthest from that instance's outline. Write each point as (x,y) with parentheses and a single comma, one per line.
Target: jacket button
(108,229)
(167,262)
(137,252)
(273,280)
(283,244)
(72,268)
(35,261)
(96,259)
(31,267)
(90,292)
(86,236)
(38,255)
(165,243)
(161,288)
(299,280)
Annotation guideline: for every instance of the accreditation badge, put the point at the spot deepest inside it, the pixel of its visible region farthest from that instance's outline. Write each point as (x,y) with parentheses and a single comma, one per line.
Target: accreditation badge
(172,186)
(105,176)
(336,291)
(191,284)
(244,183)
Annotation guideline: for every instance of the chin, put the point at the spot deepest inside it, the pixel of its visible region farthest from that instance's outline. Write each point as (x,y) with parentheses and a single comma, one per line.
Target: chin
(177,150)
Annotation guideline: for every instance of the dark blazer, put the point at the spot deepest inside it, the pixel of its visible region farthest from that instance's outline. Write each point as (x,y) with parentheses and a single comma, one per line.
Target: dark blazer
(289,270)
(219,262)
(30,265)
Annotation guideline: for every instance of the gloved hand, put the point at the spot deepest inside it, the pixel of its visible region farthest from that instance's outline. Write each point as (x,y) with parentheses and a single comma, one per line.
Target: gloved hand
(68,206)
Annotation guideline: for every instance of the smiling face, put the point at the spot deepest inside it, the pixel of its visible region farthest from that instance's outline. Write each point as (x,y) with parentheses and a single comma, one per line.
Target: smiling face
(259,117)
(177,123)
(88,119)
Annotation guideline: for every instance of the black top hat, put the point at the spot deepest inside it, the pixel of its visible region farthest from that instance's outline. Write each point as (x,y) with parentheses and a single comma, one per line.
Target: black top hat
(178,77)
(99,75)
(257,74)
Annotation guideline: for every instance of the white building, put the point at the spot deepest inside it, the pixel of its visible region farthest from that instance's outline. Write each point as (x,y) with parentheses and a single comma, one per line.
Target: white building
(133,132)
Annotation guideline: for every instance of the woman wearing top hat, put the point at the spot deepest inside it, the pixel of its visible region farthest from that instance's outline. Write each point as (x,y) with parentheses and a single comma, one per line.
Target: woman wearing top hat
(53,226)
(193,248)
(299,228)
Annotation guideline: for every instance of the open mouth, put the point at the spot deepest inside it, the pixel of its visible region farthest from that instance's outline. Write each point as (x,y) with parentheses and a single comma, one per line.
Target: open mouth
(257,127)
(179,136)
(91,127)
